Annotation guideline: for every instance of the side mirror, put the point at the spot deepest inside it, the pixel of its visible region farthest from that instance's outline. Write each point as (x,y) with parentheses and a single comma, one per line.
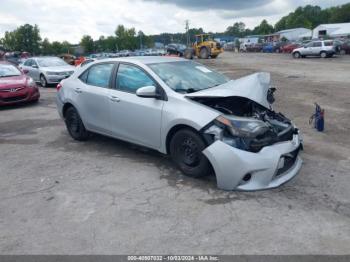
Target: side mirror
(147,92)
(35,66)
(26,71)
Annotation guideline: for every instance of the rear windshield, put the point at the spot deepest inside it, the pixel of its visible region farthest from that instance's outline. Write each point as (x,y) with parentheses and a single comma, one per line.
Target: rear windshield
(9,70)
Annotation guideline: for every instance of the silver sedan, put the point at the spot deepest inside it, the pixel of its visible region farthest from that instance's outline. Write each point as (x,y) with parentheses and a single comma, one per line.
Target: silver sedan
(205,121)
(47,70)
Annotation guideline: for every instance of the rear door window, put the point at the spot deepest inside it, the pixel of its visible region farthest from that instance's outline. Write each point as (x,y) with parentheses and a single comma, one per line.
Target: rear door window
(317,44)
(98,75)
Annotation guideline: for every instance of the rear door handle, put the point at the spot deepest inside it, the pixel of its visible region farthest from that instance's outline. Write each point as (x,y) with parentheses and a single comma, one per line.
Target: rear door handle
(78,90)
(114,98)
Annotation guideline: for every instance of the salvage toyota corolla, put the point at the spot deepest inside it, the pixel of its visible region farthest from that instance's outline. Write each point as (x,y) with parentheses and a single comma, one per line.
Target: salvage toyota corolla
(201,118)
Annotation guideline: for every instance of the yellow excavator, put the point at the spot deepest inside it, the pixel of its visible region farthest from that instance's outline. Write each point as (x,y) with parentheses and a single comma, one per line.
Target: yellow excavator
(203,48)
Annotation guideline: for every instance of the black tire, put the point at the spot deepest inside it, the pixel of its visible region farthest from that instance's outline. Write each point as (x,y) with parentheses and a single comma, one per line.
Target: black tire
(214,56)
(186,148)
(188,54)
(43,81)
(296,55)
(204,53)
(75,126)
(323,55)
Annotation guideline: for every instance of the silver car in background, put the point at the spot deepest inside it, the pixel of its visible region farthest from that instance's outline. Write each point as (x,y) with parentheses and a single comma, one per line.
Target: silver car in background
(47,70)
(203,120)
(315,48)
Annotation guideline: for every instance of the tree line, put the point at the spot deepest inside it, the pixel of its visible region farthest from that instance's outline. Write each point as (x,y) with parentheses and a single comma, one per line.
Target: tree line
(27,37)
(308,16)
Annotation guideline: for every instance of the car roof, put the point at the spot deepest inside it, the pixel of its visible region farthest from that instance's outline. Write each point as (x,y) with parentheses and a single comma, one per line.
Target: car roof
(147,59)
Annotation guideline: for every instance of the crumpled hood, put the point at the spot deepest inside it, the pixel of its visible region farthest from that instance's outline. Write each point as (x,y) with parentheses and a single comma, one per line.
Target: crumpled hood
(254,87)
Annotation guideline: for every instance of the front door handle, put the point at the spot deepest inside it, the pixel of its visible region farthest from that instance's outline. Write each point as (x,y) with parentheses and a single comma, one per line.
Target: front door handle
(78,90)
(114,98)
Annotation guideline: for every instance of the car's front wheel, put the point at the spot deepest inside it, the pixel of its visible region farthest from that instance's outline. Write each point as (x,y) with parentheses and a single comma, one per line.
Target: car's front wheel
(296,55)
(75,125)
(43,81)
(186,148)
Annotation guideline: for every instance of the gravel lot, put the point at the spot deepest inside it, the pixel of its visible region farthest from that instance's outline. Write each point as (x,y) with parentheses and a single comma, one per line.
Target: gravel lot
(104,196)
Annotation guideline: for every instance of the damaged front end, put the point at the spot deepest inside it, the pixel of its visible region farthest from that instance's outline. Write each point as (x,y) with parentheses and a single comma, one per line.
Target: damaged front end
(251,147)
(246,125)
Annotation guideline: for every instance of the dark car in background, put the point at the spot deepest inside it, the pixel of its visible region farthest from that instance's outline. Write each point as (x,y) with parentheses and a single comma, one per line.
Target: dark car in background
(16,86)
(176,49)
(273,47)
(257,47)
(345,48)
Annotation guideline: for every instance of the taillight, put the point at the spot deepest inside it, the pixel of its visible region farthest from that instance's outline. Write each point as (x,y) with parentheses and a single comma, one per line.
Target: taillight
(58,87)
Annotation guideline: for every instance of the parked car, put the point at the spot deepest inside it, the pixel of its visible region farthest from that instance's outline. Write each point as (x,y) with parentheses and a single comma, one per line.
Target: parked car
(254,47)
(176,49)
(270,48)
(345,48)
(16,86)
(47,70)
(315,48)
(288,48)
(68,58)
(199,117)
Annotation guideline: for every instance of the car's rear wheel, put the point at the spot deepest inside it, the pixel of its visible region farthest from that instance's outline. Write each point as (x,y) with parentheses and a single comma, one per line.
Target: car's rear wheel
(43,81)
(75,125)
(186,148)
(323,54)
(296,55)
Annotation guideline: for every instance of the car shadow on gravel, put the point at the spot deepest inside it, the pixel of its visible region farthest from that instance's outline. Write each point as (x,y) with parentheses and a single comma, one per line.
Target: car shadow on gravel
(103,146)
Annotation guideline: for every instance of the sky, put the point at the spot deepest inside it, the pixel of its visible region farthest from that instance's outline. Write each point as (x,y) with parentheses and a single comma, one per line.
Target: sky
(71,19)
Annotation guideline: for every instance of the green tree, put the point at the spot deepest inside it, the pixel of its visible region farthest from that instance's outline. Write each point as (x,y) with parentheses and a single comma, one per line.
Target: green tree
(56,48)
(264,28)
(88,44)
(24,38)
(238,29)
(126,38)
(46,48)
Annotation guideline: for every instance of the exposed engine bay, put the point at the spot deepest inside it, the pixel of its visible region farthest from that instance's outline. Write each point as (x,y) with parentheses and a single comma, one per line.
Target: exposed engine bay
(245,124)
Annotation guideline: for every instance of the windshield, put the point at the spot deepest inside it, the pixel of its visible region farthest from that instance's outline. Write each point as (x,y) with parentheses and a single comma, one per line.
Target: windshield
(52,61)
(187,76)
(9,70)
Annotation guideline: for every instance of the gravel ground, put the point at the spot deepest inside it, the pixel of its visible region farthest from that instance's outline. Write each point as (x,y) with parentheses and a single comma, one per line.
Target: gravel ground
(104,196)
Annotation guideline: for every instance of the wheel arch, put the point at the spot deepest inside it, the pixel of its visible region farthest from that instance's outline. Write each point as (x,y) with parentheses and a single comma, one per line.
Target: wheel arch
(65,108)
(174,130)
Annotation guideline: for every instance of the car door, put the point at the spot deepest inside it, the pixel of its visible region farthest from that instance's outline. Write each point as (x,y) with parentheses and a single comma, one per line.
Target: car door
(28,66)
(35,70)
(316,47)
(92,97)
(134,118)
(307,50)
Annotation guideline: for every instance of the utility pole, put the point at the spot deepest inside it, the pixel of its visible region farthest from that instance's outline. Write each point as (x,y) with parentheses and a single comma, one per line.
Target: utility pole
(140,33)
(187,31)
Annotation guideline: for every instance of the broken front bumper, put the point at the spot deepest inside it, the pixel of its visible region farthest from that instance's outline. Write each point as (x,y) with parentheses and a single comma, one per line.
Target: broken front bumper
(237,169)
